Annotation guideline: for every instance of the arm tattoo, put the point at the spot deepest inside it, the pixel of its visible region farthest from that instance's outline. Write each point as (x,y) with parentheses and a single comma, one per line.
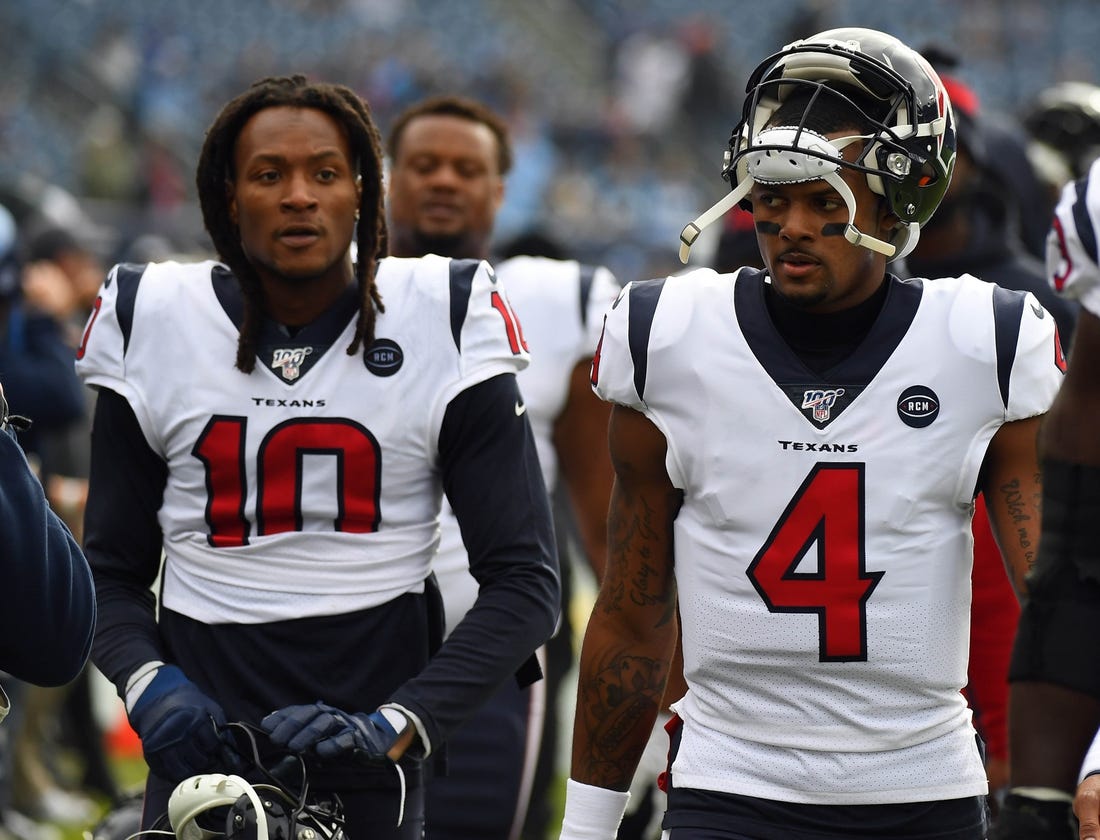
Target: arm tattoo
(634,539)
(1017,505)
(618,708)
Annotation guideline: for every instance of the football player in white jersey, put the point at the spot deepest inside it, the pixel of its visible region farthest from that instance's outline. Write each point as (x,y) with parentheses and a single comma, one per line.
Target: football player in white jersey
(1054,700)
(448,158)
(284,424)
(797,451)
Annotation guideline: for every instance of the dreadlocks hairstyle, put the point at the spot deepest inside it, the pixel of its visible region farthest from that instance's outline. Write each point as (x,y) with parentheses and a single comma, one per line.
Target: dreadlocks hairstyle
(454,106)
(215,172)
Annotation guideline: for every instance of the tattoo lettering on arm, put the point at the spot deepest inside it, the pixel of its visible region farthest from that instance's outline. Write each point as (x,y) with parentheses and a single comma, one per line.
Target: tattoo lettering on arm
(636,548)
(1025,523)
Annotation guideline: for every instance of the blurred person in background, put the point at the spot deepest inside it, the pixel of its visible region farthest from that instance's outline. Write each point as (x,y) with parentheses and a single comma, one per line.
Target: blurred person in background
(1063,130)
(975,231)
(449,157)
(1054,697)
(47,617)
(47,614)
(64,271)
(36,367)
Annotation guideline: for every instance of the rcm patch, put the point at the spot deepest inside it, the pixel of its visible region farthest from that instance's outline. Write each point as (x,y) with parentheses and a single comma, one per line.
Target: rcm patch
(384,358)
(918,406)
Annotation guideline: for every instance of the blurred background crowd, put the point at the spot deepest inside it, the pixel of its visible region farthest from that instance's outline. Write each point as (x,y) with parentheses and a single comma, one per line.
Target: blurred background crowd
(620,112)
(621,109)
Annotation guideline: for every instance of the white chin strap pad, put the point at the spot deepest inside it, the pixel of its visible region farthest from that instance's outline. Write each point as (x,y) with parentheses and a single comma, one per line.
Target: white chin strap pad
(783,160)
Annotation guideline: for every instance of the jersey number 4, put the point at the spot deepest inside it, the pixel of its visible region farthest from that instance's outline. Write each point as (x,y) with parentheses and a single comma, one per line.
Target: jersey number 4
(827,511)
(279,472)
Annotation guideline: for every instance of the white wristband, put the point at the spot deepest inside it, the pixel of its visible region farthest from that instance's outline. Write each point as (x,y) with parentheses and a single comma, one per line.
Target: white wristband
(138,682)
(592,813)
(424,748)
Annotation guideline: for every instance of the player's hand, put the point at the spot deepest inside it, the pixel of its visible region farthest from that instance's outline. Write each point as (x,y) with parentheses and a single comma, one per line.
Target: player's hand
(180,728)
(1086,805)
(330,732)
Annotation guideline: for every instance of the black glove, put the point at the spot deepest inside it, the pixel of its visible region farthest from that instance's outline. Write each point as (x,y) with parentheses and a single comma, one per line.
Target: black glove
(330,732)
(1024,818)
(181,729)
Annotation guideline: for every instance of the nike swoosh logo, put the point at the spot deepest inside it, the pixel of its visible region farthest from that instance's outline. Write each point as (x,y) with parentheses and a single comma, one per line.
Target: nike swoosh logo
(520,408)
(1038,310)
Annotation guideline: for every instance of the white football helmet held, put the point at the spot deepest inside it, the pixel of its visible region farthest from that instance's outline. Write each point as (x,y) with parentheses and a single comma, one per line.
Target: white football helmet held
(280,807)
(906,140)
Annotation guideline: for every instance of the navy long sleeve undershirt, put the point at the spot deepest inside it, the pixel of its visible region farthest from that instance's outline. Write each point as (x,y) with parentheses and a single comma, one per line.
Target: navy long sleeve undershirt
(492,478)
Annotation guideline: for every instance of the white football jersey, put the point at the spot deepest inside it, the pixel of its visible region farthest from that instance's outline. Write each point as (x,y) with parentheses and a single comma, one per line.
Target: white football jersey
(824,550)
(315,453)
(1072,262)
(560,305)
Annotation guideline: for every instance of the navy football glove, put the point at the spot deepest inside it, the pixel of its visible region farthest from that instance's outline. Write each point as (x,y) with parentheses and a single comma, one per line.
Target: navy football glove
(180,728)
(330,732)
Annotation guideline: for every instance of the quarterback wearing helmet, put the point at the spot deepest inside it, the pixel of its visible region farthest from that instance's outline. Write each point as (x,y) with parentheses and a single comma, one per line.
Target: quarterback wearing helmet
(907,153)
(797,452)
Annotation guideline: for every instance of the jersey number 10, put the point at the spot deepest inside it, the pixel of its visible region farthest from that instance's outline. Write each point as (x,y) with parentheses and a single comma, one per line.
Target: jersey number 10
(279,467)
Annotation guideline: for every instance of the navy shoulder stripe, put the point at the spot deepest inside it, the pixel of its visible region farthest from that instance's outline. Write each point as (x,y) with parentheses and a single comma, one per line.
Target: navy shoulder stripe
(462,283)
(1085,231)
(643,303)
(128,276)
(588,272)
(228,292)
(1008,309)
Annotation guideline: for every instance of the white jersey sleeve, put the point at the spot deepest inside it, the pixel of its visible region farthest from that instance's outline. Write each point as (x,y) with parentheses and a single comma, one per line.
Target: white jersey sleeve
(1073,266)
(605,290)
(487,335)
(631,335)
(102,359)
(1021,339)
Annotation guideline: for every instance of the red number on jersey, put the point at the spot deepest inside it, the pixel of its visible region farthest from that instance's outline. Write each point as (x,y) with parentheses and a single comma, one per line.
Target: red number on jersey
(827,511)
(594,376)
(511,323)
(1061,274)
(88,329)
(279,476)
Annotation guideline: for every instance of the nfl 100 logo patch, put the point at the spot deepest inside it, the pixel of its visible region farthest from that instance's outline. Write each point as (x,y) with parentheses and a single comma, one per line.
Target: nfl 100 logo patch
(821,401)
(289,360)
